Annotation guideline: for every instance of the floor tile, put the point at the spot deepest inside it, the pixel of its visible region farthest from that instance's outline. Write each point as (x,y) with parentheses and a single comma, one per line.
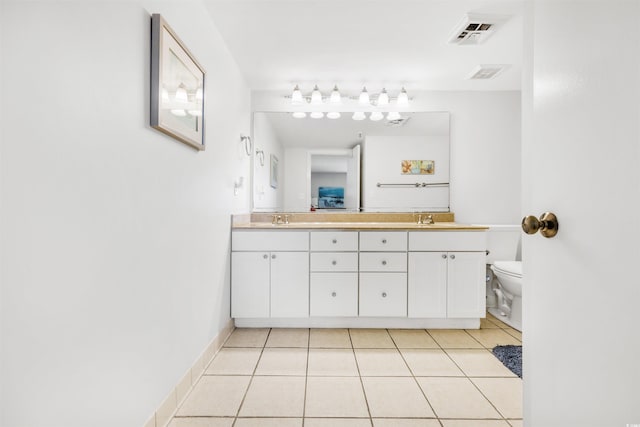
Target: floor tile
(337,422)
(474,423)
(516,423)
(405,422)
(514,333)
(456,398)
(493,337)
(499,323)
(215,396)
(488,324)
(395,397)
(201,422)
(454,338)
(268,422)
(479,363)
(381,363)
(412,338)
(283,361)
(333,362)
(288,338)
(371,338)
(335,397)
(234,361)
(431,363)
(247,338)
(274,397)
(504,393)
(329,338)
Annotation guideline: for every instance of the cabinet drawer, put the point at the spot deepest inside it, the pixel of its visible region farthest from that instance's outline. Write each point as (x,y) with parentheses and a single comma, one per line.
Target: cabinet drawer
(334,261)
(334,294)
(252,240)
(383,241)
(383,294)
(383,261)
(448,241)
(334,240)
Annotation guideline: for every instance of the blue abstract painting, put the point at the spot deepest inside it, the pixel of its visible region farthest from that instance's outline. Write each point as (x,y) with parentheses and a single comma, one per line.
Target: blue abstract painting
(331,197)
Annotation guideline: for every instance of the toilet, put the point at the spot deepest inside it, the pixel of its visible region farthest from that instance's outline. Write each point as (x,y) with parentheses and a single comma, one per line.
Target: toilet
(504,274)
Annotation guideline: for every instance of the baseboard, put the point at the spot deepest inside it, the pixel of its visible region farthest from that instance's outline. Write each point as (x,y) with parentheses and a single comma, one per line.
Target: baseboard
(359,322)
(172,402)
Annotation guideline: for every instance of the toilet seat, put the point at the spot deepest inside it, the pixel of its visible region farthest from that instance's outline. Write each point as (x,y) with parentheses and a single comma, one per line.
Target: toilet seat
(509,268)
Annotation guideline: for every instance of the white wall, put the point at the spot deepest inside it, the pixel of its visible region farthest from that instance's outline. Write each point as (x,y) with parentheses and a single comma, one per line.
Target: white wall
(485,149)
(115,237)
(267,198)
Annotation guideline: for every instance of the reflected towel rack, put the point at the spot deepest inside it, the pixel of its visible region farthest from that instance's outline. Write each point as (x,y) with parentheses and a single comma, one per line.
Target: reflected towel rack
(415,185)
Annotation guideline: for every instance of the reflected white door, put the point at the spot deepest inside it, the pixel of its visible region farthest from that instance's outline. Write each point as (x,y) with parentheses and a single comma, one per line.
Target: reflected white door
(581,160)
(352,193)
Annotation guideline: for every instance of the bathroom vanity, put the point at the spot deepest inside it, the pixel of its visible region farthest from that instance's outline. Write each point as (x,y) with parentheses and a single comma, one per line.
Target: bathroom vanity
(357,270)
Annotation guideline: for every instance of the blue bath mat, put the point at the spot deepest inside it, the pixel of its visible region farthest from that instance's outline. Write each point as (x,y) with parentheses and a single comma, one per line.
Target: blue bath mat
(511,357)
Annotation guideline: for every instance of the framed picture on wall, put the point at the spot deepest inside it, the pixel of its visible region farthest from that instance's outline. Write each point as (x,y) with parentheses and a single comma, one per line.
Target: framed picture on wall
(274,172)
(177,87)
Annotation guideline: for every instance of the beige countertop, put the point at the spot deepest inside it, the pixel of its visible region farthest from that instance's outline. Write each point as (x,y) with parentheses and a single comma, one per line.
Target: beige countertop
(450,226)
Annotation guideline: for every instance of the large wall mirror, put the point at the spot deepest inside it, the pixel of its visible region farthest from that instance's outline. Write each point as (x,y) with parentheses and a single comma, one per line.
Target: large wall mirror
(305,164)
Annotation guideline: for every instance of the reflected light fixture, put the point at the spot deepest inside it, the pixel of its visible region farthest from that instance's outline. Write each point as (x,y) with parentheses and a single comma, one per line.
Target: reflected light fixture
(181,94)
(179,113)
(363,99)
(316,115)
(403,98)
(199,95)
(359,115)
(383,98)
(335,96)
(299,115)
(333,115)
(316,96)
(376,116)
(195,113)
(296,96)
(165,96)
(393,115)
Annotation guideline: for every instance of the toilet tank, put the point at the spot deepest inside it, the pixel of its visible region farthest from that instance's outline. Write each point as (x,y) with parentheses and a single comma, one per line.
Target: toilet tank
(503,242)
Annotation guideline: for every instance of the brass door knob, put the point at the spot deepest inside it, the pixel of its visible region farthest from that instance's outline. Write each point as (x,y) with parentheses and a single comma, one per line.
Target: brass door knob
(547,224)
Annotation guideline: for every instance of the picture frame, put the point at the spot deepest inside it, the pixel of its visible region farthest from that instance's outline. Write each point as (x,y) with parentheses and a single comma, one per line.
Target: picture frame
(418,167)
(177,87)
(273,174)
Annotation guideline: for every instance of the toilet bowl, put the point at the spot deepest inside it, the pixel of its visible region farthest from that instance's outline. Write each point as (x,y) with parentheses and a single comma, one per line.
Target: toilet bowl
(508,292)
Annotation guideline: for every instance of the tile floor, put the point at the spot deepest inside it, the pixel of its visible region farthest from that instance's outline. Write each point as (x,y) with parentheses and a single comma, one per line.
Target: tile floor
(358,378)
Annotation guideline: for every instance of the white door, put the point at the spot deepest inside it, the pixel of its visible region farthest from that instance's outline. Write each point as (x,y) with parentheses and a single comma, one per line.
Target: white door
(352,192)
(466,289)
(581,160)
(289,284)
(427,287)
(250,284)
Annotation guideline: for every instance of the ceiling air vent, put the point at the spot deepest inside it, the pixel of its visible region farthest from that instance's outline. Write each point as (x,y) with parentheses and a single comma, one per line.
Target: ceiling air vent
(398,122)
(475,28)
(485,72)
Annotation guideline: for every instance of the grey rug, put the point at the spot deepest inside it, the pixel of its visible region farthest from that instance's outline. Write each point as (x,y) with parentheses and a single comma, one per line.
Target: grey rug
(511,357)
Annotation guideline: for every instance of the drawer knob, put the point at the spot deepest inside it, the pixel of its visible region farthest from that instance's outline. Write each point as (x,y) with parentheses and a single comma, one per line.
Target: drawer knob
(334,241)
(452,256)
(384,240)
(384,262)
(265,256)
(444,256)
(333,294)
(384,295)
(334,262)
(273,256)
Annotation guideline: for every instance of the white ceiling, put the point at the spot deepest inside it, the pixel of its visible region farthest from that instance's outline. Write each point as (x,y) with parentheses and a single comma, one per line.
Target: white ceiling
(390,43)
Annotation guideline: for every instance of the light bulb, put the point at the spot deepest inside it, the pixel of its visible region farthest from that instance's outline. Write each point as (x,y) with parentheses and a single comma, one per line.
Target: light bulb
(316,115)
(199,94)
(179,113)
(364,97)
(359,115)
(316,96)
(403,99)
(165,96)
(393,115)
(181,94)
(375,116)
(299,115)
(333,115)
(383,98)
(335,96)
(296,96)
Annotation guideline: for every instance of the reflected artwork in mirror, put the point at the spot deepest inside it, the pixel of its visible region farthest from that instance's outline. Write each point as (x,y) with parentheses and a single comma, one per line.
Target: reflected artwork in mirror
(399,165)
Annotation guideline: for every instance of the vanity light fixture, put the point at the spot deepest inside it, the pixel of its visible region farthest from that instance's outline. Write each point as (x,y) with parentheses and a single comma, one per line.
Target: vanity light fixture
(296,96)
(363,99)
(383,98)
(376,116)
(199,94)
(335,97)
(299,114)
(333,115)
(316,96)
(359,115)
(181,94)
(316,115)
(393,115)
(403,98)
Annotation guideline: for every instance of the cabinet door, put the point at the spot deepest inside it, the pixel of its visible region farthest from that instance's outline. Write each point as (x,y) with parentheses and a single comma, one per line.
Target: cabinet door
(289,284)
(383,294)
(466,295)
(249,284)
(427,287)
(334,294)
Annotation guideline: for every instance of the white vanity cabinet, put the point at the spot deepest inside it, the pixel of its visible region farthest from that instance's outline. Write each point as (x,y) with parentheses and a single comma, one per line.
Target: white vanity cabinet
(383,274)
(446,274)
(270,274)
(333,283)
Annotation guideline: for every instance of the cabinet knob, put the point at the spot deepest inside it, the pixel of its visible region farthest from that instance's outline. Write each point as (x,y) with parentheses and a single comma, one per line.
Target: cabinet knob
(452,256)
(333,294)
(384,295)
(444,256)
(334,241)
(273,256)
(334,262)
(384,262)
(265,256)
(384,241)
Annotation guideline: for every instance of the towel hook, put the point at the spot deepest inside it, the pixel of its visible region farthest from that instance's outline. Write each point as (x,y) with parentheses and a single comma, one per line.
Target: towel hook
(248,144)
(260,156)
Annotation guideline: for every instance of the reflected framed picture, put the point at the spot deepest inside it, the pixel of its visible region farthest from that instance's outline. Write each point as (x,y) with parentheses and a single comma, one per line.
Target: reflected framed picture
(273,175)
(177,87)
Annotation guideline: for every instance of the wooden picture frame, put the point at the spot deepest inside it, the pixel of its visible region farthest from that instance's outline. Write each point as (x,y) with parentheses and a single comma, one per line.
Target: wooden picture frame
(177,87)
